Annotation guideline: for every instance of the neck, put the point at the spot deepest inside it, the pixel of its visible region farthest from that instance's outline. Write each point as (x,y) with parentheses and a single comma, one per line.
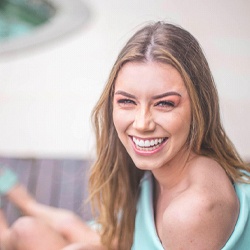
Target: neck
(173,173)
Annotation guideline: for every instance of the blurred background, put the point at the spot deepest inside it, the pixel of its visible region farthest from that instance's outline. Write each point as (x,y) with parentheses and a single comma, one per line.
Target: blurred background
(55,57)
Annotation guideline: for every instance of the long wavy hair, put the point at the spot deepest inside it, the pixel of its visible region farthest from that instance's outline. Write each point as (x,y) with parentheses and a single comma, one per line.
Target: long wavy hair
(114,179)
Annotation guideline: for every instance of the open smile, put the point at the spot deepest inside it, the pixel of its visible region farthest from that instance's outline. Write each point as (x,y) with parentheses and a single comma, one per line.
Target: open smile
(148,144)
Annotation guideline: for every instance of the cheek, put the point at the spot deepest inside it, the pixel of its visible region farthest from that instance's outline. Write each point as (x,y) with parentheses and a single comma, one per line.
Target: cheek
(115,120)
(183,127)
(119,120)
(122,118)
(177,124)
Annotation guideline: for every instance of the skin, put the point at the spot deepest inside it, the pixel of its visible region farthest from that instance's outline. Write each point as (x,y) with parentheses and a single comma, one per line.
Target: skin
(195,203)
(60,229)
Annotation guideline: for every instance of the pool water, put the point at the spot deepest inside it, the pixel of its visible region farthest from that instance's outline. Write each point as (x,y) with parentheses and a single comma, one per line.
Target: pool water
(21,17)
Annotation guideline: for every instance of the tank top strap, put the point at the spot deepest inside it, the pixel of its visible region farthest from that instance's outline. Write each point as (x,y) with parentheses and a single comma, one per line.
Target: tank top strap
(145,235)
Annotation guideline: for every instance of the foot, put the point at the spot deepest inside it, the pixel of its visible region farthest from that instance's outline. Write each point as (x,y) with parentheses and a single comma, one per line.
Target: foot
(8,180)
(13,190)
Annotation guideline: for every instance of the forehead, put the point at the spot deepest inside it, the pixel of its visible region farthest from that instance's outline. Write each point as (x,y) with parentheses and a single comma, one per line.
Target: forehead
(149,77)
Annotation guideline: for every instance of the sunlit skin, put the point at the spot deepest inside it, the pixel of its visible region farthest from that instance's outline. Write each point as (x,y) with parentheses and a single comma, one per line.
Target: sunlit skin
(194,199)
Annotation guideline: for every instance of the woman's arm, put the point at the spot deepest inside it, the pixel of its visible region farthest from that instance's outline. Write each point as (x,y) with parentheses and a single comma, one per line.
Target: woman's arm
(199,221)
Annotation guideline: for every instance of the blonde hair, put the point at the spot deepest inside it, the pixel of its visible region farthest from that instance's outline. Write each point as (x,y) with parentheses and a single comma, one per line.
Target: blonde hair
(114,180)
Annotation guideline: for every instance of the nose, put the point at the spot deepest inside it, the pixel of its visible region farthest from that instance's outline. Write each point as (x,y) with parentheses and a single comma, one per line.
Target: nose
(144,121)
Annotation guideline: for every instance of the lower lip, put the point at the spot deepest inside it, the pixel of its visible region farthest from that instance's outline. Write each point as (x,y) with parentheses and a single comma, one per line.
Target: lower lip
(148,153)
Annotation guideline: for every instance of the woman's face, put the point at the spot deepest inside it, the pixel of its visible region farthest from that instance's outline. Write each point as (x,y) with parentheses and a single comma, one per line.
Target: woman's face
(151,113)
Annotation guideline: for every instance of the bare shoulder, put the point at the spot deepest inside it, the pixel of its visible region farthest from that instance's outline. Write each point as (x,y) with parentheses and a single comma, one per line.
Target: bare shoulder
(204,215)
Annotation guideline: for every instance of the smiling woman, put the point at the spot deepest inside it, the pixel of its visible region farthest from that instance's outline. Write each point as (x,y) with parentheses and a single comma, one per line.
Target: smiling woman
(27,23)
(166,175)
(163,157)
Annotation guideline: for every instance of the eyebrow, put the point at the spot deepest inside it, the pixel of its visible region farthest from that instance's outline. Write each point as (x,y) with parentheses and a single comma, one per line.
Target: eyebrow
(120,92)
(166,94)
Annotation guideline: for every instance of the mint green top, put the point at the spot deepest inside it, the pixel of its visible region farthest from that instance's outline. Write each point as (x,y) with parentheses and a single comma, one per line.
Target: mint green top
(146,238)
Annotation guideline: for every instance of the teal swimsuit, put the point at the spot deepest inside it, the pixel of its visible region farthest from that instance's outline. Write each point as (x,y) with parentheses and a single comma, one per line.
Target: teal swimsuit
(145,235)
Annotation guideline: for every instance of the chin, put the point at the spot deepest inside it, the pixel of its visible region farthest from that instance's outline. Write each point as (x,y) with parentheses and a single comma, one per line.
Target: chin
(147,166)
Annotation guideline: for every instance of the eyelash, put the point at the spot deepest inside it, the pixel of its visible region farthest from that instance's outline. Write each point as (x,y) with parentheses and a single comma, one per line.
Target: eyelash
(161,104)
(126,101)
(165,104)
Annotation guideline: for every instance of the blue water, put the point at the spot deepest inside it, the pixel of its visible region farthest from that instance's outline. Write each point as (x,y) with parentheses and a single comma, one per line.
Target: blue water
(11,27)
(18,18)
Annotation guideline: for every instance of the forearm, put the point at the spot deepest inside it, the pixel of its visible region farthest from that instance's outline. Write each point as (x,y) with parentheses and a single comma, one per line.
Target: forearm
(84,246)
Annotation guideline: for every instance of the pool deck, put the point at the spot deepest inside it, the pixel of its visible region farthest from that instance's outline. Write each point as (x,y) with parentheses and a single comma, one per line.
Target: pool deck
(56,182)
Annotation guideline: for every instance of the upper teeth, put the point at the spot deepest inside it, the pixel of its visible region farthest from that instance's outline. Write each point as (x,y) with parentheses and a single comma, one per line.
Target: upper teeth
(147,143)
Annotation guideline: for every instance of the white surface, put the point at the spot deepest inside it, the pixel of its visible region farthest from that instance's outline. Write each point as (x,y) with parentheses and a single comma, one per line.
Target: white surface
(47,93)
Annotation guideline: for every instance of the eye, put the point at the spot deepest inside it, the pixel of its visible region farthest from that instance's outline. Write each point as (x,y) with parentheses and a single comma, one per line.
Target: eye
(167,104)
(126,102)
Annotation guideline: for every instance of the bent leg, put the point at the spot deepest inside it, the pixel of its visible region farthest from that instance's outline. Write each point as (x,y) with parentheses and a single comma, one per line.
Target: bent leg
(3,222)
(3,227)
(28,234)
(65,222)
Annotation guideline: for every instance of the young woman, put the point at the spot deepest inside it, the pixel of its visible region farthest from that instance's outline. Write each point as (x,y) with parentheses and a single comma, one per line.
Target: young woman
(166,175)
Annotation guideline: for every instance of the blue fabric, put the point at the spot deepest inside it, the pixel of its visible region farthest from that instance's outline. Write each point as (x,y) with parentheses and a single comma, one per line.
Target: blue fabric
(240,238)
(145,235)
